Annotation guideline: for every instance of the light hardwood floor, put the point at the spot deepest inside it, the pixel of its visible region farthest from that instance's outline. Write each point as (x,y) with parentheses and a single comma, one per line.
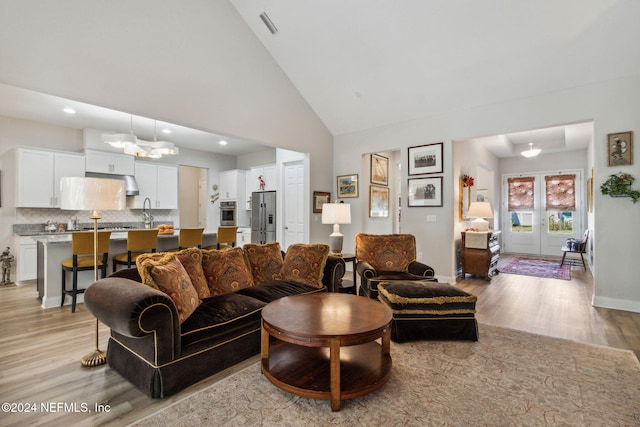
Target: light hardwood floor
(40,350)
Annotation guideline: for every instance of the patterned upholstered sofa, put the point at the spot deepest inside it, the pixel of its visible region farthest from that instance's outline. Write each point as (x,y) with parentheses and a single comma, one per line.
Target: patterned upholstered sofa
(387,257)
(181,317)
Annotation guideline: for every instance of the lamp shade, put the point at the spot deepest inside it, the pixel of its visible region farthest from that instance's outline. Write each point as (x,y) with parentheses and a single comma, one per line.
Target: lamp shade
(480,210)
(336,213)
(82,194)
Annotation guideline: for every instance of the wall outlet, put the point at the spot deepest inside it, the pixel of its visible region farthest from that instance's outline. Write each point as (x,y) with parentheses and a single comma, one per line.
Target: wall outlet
(419,256)
(431,218)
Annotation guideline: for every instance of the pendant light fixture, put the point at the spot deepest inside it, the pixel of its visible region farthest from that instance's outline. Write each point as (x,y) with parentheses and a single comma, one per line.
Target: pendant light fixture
(531,152)
(137,147)
(119,140)
(151,149)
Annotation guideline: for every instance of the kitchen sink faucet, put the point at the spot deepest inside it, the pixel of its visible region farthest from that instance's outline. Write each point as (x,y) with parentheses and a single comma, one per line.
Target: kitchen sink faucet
(146,215)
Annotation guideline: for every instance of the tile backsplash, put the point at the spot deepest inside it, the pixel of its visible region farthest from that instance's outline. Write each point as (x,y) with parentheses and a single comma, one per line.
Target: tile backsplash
(41,216)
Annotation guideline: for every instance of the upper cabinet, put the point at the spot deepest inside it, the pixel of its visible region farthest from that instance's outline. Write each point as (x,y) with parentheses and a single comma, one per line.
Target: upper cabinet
(232,184)
(157,182)
(39,173)
(261,175)
(112,163)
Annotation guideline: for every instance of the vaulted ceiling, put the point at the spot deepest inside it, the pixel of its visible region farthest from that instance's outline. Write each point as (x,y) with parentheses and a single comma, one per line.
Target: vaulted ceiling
(362,64)
(368,63)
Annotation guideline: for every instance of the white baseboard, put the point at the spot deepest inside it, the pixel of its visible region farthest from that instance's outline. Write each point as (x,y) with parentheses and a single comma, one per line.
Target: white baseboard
(617,304)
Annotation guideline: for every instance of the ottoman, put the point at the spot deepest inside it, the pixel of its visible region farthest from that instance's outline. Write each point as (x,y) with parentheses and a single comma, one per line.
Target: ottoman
(425,310)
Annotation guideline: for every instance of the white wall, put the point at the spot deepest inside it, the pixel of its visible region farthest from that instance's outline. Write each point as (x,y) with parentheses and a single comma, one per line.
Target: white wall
(612,105)
(195,64)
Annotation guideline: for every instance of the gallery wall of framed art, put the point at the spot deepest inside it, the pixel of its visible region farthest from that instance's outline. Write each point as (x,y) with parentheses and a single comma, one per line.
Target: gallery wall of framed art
(425,160)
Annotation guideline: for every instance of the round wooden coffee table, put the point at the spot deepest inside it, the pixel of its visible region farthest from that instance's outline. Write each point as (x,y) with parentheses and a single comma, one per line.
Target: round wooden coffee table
(325,346)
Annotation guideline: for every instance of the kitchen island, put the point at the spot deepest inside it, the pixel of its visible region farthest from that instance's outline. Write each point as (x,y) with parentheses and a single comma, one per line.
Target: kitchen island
(54,248)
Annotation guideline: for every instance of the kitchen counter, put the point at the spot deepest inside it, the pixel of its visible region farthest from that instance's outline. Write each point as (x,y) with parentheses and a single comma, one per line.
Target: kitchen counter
(53,248)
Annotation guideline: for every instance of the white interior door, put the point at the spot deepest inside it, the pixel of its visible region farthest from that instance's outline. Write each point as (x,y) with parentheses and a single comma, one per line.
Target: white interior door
(293,200)
(202,202)
(540,230)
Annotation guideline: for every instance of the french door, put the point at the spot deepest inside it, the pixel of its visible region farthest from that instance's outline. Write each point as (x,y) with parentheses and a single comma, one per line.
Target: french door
(540,211)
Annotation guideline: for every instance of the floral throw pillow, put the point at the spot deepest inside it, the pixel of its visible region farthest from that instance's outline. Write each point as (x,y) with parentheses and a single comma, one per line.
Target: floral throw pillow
(304,263)
(168,275)
(225,271)
(264,261)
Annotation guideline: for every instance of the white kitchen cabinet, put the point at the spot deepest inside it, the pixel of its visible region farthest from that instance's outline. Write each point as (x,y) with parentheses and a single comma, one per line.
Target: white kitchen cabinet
(39,173)
(243,235)
(157,182)
(111,163)
(268,173)
(26,259)
(233,185)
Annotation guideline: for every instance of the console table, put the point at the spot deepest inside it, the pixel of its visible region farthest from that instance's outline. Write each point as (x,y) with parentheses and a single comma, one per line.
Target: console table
(480,256)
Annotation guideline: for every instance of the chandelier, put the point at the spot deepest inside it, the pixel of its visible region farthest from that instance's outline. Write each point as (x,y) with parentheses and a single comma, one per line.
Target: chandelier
(134,146)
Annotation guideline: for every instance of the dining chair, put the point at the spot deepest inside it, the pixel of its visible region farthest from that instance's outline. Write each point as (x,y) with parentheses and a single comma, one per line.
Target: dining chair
(574,246)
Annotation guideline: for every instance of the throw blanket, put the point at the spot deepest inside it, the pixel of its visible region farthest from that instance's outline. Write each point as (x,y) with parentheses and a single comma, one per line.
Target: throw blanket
(476,239)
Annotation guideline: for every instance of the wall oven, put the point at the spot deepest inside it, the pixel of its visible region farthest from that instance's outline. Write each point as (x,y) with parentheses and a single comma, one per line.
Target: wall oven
(228,213)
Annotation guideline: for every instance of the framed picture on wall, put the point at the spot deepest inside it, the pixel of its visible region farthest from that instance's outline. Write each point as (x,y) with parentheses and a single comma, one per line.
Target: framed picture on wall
(319,198)
(379,169)
(378,201)
(425,159)
(347,186)
(620,148)
(425,191)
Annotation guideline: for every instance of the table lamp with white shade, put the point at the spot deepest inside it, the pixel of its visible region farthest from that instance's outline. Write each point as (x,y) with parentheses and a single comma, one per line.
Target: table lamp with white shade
(480,211)
(92,194)
(336,214)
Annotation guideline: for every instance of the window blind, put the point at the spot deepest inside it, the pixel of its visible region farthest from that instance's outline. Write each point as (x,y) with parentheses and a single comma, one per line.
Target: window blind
(520,193)
(560,192)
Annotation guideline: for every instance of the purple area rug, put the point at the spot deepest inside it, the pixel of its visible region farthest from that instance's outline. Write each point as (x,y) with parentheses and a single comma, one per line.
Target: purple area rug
(537,267)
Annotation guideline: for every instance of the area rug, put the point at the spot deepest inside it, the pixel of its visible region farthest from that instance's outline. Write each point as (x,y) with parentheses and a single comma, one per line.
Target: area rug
(537,267)
(507,378)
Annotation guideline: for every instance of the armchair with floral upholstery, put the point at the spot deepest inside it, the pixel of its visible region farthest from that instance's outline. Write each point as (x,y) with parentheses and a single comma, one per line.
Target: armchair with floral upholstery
(388,257)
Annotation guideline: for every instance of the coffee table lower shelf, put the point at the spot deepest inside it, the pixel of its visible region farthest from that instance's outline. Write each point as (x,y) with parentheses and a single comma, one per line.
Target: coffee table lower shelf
(305,371)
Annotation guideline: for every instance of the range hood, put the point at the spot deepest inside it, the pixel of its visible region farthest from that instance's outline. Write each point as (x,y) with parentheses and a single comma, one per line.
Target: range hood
(130,184)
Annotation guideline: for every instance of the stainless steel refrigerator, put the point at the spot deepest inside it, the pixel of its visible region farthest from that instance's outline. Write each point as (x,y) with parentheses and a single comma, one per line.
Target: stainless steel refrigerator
(263,216)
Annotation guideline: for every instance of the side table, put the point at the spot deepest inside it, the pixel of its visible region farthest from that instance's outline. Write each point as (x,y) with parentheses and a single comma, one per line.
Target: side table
(347,286)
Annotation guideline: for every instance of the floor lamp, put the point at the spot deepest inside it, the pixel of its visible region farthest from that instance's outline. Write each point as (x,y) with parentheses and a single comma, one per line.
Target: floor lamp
(92,194)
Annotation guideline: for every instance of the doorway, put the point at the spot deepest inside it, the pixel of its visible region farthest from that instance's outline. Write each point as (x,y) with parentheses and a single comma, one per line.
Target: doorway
(293,200)
(541,211)
(192,204)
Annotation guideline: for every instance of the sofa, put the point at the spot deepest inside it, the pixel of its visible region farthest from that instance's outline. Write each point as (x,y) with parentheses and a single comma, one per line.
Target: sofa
(388,257)
(180,317)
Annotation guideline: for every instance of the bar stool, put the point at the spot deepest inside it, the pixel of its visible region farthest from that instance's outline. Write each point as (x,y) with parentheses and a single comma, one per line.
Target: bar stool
(82,260)
(189,238)
(226,237)
(138,243)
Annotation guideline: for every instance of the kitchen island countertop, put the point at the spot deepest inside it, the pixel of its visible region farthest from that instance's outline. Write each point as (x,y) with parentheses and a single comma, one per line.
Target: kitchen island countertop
(53,248)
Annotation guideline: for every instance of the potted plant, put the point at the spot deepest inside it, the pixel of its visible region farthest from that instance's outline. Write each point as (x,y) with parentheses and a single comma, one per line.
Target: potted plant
(619,185)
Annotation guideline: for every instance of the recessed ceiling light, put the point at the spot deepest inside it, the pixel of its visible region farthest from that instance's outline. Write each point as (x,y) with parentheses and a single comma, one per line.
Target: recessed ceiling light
(69,111)
(166,131)
(223,142)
